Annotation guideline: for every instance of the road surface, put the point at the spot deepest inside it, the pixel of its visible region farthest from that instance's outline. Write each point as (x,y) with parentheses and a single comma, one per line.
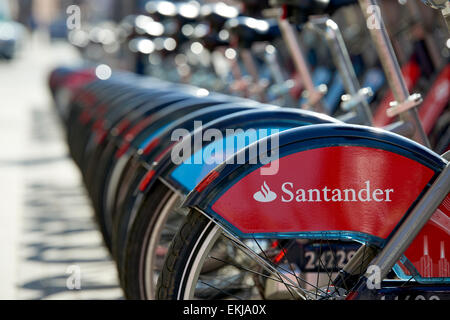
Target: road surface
(50,247)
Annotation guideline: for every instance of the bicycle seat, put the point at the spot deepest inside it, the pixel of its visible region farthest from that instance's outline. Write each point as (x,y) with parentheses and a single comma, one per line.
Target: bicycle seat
(299,10)
(213,41)
(254,8)
(250,30)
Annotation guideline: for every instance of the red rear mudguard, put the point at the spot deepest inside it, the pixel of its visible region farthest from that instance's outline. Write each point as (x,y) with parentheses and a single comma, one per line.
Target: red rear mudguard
(329,182)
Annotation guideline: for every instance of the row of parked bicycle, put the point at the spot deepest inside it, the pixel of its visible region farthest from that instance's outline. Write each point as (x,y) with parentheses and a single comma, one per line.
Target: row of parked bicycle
(260,192)
(218,47)
(12,33)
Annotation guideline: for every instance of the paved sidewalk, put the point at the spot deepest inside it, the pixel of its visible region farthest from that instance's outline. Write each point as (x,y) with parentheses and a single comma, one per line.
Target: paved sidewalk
(48,239)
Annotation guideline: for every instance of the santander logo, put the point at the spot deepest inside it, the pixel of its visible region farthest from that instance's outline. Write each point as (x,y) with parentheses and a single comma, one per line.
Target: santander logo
(366,193)
(265,194)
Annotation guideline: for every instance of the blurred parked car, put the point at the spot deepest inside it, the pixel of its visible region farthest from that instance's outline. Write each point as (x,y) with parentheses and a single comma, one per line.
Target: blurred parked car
(11,37)
(11,33)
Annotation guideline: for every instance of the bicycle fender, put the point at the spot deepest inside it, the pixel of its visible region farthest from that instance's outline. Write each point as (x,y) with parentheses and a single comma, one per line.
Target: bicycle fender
(333,181)
(187,174)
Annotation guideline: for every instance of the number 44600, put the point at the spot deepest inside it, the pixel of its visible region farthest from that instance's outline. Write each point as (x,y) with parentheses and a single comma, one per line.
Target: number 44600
(409,297)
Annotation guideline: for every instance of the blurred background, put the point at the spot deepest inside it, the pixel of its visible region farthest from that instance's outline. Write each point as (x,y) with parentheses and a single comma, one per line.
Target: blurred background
(48,239)
(47,234)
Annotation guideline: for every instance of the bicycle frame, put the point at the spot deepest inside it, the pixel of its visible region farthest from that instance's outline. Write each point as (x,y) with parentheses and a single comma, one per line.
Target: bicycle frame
(321,180)
(408,230)
(404,104)
(314,94)
(356,98)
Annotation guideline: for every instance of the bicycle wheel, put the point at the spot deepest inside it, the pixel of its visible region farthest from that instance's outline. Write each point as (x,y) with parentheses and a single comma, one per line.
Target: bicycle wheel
(253,268)
(149,242)
(158,229)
